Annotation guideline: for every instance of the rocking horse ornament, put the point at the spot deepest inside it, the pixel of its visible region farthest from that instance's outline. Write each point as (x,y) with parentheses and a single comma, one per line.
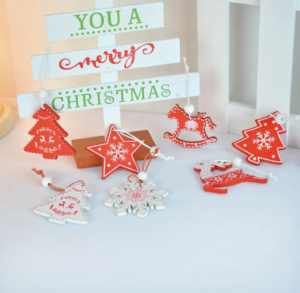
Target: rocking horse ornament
(211,183)
(196,123)
(187,122)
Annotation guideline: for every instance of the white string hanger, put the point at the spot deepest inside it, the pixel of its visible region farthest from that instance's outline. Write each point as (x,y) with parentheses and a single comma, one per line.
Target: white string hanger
(237,162)
(43,93)
(280,119)
(189,108)
(152,149)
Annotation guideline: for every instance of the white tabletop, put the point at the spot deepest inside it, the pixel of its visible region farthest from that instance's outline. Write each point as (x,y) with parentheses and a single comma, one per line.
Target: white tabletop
(245,241)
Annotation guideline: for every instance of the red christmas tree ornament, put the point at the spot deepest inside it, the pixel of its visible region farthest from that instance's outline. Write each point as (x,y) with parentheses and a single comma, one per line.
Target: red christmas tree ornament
(116,152)
(228,178)
(186,122)
(48,136)
(263,142)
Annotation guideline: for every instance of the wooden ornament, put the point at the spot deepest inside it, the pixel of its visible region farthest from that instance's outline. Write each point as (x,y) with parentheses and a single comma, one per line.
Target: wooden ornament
(211,183)
(194,123)
(63,210)
(48,136)
(68,206)
(136,198)
(262,142)
(86,159)
(6,118)
(116,153)
(78,191)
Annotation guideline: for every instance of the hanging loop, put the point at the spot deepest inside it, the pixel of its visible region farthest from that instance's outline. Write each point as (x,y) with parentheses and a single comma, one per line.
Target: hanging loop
(189,109)
(142,176)
(43,93)
(129,135)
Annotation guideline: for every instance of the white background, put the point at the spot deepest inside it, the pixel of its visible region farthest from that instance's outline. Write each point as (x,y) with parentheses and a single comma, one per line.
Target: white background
(246,241)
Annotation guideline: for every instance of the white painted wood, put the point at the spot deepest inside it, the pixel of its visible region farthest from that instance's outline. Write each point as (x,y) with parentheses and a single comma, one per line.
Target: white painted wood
(275,61)
(111,115)
(123,93)
(257,2)
(213,58)
(164,52)
(294,130)
(248,2)
(87,23)
(241,117)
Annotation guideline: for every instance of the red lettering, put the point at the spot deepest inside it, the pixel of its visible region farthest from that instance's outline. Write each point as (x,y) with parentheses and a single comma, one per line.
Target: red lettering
(114,58)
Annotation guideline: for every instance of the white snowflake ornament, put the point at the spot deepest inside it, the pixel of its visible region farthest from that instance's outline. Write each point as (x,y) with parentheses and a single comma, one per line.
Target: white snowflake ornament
(136,198)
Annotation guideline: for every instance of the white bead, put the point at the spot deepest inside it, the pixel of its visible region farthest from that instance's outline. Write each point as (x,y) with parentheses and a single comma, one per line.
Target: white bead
(279,119)
(142,176)
(152,151)
(189,109)
(43,93)
(237,162)
(46,181)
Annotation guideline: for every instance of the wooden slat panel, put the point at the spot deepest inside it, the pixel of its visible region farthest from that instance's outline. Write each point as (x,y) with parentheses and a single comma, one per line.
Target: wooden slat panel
(213,47)
(112,94)
(276,46)
(164,52)
(241,117)
(105,21)
(257,2)
(248,2)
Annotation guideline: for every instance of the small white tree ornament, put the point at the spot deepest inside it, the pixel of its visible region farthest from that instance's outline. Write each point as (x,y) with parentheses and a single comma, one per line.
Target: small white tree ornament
(67,206)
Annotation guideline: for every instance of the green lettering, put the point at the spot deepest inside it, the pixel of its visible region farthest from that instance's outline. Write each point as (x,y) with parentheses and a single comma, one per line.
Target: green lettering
(134,15)
(122,94)
(109,99)
(153,92)
(99,101)
(165,92)
(70,102)
(81,20)
(87,100)
(142,92)
(53,103)
(92,20)
(109,18)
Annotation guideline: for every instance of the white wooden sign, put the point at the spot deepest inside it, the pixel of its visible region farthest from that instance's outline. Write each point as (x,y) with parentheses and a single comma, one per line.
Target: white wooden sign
(107,59)
(112,94)
(213,43)
(274,80)
(105,21)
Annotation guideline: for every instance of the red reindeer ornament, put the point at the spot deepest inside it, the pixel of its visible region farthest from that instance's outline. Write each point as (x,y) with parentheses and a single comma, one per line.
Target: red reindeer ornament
(190,123)
(228,178)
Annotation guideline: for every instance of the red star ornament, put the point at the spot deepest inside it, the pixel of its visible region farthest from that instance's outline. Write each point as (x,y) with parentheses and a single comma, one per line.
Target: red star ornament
(263,142)
(116,153)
